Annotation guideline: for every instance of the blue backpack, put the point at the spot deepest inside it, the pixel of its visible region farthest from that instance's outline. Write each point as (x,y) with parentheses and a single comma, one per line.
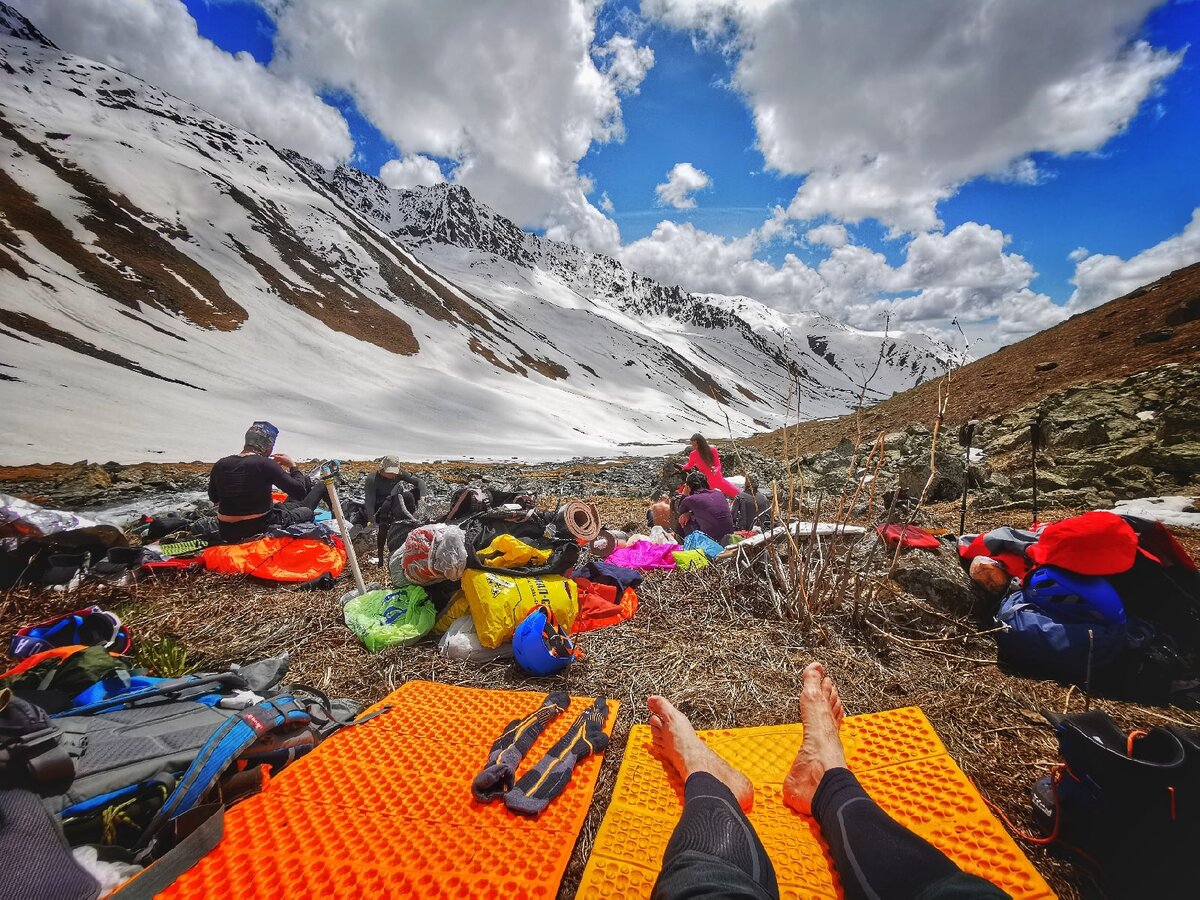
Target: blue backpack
(1033,643)
(1068,597)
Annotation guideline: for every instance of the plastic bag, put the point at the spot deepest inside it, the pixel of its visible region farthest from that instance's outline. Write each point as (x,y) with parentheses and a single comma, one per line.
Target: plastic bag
(434,553)
(698,540)
(499,602)
(690,559)
(461,641)
(506,551)
(390,618)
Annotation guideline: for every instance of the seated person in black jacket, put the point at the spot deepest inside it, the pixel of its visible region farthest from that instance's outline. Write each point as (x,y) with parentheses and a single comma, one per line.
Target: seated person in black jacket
(240,487)
(751,507)
(392,495)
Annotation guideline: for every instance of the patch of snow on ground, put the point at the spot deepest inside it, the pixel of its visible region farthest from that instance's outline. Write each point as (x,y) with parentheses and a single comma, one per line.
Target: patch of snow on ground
(1178,512)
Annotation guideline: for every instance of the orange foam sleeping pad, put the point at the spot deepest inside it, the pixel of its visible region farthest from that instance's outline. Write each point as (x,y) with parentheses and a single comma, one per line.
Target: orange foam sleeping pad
(899,761)
(384,809)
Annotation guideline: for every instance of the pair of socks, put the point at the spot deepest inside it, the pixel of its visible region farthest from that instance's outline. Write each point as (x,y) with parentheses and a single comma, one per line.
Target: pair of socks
(546,780)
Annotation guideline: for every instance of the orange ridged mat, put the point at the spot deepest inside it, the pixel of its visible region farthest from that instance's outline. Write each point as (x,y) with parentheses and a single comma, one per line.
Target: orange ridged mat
(899,761)
(384,809)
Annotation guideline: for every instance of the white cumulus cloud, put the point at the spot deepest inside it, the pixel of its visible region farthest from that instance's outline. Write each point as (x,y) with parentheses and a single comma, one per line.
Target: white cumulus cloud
(683,180)
(1102,277)
(831,234)
(966,273)
(626,62)
(889,107)
(410,172)
(157,40)
(514,93)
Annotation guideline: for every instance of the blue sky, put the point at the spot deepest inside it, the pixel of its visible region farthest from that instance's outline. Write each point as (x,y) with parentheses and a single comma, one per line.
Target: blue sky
(1119,189)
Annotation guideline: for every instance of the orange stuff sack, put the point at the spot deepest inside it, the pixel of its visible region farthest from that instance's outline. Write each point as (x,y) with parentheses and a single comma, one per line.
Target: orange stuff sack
(284,559)
(599,606)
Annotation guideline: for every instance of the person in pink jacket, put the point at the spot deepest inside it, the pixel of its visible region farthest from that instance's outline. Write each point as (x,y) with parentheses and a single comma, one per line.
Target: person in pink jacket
(704,458)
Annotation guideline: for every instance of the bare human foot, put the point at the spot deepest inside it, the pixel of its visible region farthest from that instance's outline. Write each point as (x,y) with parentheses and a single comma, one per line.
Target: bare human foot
(679,745)
(822,713)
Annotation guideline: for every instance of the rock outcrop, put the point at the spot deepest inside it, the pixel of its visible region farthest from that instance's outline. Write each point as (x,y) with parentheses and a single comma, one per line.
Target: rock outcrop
(1113,440)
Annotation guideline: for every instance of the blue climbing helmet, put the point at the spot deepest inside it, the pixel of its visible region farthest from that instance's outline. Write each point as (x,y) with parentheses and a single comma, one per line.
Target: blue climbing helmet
(541,645)
(1072,598)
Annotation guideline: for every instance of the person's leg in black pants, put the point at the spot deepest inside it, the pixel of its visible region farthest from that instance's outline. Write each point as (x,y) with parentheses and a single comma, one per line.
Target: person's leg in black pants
(875,856)
(713,851)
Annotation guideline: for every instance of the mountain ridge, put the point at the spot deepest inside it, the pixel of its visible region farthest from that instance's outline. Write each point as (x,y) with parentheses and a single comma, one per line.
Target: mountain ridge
(1152,326)
(159,258)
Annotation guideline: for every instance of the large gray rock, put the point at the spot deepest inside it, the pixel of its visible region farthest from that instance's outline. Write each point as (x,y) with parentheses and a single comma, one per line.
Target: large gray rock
(936,576)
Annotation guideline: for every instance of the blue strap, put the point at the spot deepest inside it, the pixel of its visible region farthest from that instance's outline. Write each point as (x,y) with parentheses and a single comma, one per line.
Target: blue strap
(225,745)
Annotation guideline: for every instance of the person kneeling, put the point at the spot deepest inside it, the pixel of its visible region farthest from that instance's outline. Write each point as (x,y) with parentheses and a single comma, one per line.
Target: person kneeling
(392,495)
(240,487)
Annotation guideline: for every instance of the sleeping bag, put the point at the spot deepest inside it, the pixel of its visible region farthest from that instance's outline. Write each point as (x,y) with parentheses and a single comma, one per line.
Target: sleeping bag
(285,559)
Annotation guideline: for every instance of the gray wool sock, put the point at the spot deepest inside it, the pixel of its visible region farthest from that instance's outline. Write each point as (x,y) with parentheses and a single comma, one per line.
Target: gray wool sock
(546,780)
(510,748)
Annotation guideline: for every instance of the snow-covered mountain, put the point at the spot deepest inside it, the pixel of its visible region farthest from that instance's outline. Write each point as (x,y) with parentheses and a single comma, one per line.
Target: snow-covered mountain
(165,278)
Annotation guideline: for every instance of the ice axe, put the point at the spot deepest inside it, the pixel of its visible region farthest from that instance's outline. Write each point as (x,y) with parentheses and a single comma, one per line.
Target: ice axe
(966,434)
(329,472)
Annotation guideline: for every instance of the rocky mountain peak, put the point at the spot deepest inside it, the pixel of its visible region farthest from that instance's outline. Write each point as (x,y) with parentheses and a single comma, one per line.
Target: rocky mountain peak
(13,24)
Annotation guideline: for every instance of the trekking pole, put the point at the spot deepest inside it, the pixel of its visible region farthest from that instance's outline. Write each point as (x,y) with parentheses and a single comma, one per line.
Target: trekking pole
(1087,681)
(328,471)
(1035,441)
(965,434)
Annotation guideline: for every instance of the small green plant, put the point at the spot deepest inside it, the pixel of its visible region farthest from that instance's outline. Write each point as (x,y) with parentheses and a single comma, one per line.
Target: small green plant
(165,657)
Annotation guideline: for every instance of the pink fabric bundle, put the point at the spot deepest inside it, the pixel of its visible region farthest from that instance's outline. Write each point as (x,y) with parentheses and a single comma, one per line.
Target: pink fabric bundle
(644,555)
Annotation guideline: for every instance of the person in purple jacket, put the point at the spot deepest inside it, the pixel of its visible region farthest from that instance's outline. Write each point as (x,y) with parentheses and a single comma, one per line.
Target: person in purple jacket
(703,509)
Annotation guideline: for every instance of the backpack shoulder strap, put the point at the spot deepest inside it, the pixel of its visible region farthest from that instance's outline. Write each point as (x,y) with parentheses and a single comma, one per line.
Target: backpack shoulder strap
(206,827)
(225,745)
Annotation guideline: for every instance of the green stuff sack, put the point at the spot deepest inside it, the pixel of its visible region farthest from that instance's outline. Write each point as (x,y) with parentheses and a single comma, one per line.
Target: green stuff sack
(396,618)
(500,602)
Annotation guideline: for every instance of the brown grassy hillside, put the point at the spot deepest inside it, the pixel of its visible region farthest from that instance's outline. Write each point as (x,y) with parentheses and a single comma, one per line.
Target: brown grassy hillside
(1148,327)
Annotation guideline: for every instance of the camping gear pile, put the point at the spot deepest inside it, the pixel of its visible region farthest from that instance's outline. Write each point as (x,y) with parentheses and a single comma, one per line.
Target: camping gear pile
(496,579)
(62,550)
(48,547)
(1098,600)
(1110,603)
(106,768)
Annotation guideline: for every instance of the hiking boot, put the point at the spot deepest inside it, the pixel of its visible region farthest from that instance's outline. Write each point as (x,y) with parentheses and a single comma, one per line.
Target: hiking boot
(1118,798)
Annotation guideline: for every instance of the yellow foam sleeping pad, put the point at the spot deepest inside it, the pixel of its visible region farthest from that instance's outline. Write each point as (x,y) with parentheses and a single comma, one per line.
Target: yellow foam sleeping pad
(499,603)
(508,552)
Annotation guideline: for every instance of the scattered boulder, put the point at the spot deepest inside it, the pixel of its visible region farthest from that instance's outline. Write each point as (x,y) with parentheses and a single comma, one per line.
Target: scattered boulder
(1045,367)
(938,577)
(1157,336)
(1188,311)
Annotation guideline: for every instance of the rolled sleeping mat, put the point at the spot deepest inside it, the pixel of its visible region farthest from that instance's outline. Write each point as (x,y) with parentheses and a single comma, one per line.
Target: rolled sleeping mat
(603,544)
(581,519)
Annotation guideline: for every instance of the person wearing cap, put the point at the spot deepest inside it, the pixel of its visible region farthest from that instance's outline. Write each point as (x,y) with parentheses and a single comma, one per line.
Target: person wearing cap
(392,494)
(240,487)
